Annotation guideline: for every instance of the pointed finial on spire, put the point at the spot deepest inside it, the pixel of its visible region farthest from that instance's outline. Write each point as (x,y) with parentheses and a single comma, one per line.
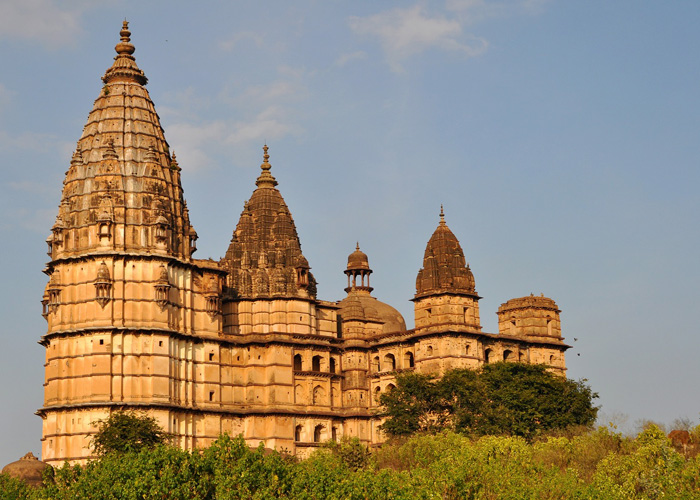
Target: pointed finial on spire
(442,215)
(173,162)
(266,158)
(358,246)
(124,66)
(266,179)
(125,46)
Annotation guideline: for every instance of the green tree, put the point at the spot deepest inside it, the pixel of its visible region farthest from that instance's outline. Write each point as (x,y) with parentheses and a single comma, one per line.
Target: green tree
(501,398)
(126,431)
(412,406)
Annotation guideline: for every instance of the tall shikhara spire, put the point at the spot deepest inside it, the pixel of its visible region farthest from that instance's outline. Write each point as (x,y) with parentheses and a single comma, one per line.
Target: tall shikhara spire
(121,272)
(122,191)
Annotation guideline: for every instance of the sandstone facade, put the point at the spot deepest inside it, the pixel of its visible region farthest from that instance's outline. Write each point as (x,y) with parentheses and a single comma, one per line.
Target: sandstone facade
(240,345)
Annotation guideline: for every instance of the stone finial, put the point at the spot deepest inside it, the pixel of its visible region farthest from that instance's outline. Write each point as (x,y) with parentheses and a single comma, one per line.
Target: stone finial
(124,67)
(174,164)
(442,216)
(266,179)
(125,46)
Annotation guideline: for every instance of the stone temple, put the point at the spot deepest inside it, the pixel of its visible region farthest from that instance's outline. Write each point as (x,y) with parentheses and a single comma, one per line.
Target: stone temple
(240,345)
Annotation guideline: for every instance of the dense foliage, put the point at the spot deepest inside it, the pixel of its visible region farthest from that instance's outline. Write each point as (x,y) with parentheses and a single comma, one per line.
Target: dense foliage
(594,465)
(127,431)
(502,398)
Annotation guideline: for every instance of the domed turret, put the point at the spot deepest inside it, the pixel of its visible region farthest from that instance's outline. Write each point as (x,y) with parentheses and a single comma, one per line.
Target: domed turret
(28,469)
(364,315)
(358,260)
(358,268)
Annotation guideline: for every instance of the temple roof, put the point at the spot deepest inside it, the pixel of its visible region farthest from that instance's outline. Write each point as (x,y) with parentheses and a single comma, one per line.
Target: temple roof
(444,267)
(264,257)
(122,173)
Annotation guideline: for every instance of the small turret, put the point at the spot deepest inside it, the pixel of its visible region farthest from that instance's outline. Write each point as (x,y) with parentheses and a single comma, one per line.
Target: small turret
(357,270)
(530,316)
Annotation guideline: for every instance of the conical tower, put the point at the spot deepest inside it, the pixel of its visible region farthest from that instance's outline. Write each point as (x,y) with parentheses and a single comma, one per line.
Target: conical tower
(122,191)
(445,289)
(265,263)
(123,287)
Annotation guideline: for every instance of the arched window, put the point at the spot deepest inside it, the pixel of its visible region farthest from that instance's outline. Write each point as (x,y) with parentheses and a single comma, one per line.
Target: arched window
(297,362)
(390,387)
(316,364)
(375,364)
(429,350)
(408,359)
(551,359)
(377,393)
(332,365)
(298,394)
(390,362)
(318,433)
(487,355)
(297,433)
(319,395)
(508,355)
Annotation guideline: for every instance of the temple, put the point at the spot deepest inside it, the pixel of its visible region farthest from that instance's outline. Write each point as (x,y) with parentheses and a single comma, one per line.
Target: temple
(241,345)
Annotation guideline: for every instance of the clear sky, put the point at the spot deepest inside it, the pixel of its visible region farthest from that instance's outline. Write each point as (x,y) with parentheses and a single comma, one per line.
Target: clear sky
(561,138)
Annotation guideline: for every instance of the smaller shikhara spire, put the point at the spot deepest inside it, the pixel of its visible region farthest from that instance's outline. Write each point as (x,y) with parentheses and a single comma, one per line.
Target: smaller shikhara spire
(444,267)
(264,258)
(124,67)
(266,179)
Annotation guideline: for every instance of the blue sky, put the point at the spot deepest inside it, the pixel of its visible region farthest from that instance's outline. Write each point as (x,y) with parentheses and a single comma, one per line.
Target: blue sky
(561,138)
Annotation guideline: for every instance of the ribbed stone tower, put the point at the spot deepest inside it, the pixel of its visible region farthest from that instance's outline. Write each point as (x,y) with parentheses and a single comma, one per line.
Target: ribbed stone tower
(124,294)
